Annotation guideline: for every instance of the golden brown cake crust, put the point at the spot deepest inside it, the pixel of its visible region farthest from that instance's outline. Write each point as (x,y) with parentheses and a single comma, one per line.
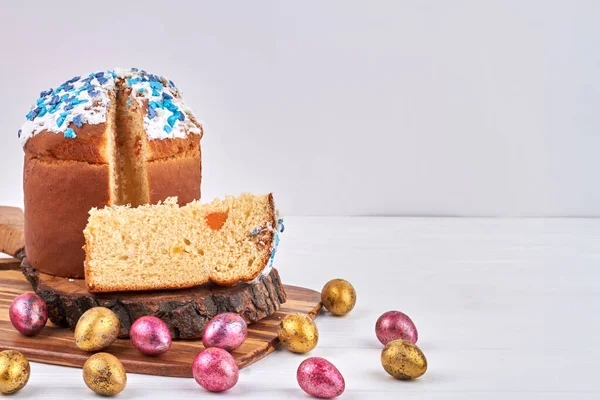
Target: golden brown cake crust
(164,148)
(89,146)
(175,176)
(264,239)
(92,288)
(58,196)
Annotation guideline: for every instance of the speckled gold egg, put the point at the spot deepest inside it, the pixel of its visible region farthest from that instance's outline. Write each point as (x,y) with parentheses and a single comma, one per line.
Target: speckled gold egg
(14,371)
(403,360)
(97,329)
(104,374)
(298,333)
(338,296)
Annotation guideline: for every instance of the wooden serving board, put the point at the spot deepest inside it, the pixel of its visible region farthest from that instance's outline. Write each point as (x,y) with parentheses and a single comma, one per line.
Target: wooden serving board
(56,345)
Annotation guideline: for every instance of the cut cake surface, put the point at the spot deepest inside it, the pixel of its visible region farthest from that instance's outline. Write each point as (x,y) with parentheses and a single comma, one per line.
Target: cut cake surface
(167,246)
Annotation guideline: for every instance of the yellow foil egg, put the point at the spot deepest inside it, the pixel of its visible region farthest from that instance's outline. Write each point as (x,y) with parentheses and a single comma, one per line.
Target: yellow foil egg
(14,371)
(298,333)
(97,329)
(403,360)
(338,296)
(104,374)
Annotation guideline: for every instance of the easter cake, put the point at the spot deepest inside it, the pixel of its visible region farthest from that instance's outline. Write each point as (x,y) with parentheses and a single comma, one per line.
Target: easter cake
(166,246)
(115,137)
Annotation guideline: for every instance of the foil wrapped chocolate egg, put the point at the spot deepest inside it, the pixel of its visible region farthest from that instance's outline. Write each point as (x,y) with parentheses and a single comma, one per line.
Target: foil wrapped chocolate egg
(150,335)
(96,329)
(394,325)
(298,333)
(403,360)
(215,370)
(320,378)
(338,296)
(104,374)
(14,371)
(226,331)
(28,313)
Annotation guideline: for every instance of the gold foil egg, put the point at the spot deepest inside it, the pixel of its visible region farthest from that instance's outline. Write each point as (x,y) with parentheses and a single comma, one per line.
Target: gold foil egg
(298,333)
(14,371)
(338,296)
(97,329)
(104,374)
(403,360)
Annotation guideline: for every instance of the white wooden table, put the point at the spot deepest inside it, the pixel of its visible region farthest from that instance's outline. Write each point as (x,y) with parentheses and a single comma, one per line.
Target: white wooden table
(505,308)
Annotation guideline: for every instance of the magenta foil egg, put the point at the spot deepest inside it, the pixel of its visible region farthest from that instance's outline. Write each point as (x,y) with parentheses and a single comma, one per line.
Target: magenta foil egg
(28,314)
(215,370)
(226,331)
(150,335)
(394,325)
(320,378)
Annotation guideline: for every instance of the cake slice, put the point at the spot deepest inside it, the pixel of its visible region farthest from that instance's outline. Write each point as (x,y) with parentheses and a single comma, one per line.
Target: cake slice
(167,246)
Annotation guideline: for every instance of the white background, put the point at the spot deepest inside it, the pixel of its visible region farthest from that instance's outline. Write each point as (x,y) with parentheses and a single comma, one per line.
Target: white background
(346,107)
(401,107)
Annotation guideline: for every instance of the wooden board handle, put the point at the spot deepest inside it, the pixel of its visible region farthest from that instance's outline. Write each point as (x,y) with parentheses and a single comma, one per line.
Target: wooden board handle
(12,238)
(10,264)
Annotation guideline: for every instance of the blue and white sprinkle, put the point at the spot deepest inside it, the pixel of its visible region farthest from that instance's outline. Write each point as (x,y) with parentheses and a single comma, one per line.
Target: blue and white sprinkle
(277,230)
(80,101)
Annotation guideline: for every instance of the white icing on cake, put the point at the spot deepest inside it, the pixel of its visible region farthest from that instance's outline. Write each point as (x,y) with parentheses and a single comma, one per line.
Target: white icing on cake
(57,117)
(143,92)
(81,101)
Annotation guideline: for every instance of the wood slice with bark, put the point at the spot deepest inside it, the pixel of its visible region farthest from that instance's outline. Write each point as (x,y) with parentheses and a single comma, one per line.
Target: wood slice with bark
(185,311)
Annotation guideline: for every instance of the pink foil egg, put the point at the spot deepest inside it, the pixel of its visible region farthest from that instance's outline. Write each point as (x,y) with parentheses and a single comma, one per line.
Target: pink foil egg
(150,335)
(394,325)
(226,331)
(320,378)
(28,314)
(215,370)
